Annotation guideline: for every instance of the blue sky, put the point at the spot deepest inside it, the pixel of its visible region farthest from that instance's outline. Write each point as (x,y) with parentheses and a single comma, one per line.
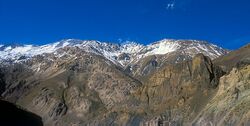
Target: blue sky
(223,22)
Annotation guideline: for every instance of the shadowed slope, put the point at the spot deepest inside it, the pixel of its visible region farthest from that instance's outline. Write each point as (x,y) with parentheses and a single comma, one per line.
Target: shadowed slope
(11,115)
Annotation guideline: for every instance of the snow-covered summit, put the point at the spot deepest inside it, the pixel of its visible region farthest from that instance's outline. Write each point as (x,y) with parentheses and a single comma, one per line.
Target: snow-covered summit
(118,53)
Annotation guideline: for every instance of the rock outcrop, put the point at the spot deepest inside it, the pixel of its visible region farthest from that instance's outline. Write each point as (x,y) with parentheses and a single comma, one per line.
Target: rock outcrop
(230,106)
(178,92)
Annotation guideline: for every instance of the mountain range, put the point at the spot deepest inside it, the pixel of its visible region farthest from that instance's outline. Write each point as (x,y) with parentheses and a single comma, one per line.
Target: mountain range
(168,82)
(121,54)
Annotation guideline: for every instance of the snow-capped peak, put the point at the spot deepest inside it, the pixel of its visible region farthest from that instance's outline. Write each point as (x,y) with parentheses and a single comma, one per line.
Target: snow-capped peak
(121,54)
(161,47)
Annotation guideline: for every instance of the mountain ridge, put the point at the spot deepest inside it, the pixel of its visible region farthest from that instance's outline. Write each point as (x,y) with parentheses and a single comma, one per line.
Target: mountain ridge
(121,54)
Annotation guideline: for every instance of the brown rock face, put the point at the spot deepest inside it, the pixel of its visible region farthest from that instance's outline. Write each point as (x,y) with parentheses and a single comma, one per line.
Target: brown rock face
(230,105)
(184,87)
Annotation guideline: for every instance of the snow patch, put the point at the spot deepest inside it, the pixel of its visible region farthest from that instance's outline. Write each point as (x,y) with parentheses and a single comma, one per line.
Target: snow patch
(162,48)
(7,48)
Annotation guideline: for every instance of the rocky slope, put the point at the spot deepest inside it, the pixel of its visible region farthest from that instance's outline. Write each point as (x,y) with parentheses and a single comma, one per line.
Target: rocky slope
(94,83)
(234,58)
(230,105)
(67,90)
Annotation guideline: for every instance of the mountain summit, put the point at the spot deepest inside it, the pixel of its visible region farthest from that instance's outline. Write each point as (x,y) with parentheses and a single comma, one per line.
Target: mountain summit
(122,54)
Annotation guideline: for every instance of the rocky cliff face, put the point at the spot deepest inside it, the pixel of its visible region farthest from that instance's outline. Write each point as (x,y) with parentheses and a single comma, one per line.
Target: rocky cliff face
(181,89)
(85,88)
(230,105)
(200,93)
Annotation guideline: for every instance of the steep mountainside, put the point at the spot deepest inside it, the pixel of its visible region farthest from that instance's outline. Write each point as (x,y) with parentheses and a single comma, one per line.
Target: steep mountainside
(74,88)
(231,104)
(169,82)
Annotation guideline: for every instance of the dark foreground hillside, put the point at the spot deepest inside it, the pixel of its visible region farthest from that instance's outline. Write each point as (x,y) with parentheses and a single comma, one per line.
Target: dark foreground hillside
(10,115)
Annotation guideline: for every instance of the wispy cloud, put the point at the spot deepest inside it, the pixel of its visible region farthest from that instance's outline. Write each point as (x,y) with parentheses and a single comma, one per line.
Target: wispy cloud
(178,4)
(171,5)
